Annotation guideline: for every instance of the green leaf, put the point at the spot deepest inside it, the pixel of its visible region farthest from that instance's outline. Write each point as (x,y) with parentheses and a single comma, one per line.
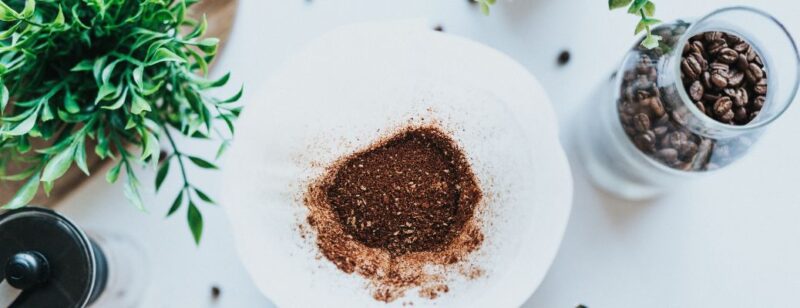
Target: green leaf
(636,6)
(120,101)
(24,195)
(70,104)
(30,7)
(485,8)
(25,126)
(165,55)
(162,174)
(176,204)
(48,187)
(235,97)
(209,45)
(649,9)
(203,196)
(138,104)
(131,190)
(47,113)
(59,20)
(7,13)
(644,23)
(150,148)
(616,4)
(3,99)
(199,30)
(651,41)
(195,220)
(59,164)
(113,173)
(83,66)
(138,74)
(80,156)
(105,91)
(222,148)
(202,163)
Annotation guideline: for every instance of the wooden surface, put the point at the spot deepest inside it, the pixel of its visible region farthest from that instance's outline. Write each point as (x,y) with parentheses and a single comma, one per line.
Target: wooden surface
(220,15)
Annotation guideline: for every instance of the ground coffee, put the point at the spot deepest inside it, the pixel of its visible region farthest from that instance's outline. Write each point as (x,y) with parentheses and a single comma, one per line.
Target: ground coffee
(401,213)
(412,193)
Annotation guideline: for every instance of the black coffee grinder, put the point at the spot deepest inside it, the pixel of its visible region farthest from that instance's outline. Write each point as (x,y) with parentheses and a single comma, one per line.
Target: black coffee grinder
(48,261)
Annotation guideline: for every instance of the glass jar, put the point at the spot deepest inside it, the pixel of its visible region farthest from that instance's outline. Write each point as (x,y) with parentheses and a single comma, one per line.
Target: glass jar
(643,134)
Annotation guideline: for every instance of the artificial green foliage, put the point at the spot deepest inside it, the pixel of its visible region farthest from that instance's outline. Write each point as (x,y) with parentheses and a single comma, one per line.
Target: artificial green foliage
(645,9)
(111,78)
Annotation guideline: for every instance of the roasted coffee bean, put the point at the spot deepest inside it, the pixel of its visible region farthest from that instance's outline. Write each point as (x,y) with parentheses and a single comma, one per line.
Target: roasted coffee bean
(641,122)
(737,95)
(663,120)
(677,139)
(742,63)
(706,79)
(733,39)
(713,35)
(719,80)
(657,107)
(696,47)
(719,67)
(735,79)
(722,106)
(758,103)
(696,90)
(750,53)
(754,114)
(716,46)
(645,141)
(758,60)
(740,115)
(708,97)
(753,73)
(691,68)
(700,106)
(688,150)
(727,55)
(660,131)
(669,155)
(761,87)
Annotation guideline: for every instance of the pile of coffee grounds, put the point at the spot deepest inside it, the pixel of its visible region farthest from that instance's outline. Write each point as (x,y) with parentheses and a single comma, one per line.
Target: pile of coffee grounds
(399,213)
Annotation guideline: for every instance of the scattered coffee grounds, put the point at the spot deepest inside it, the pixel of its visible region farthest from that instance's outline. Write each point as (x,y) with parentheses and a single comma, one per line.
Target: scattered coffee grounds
(400,213)
(723,76)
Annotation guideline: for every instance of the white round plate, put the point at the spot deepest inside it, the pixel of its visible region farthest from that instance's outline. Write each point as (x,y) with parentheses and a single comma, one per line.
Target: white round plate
(352,86)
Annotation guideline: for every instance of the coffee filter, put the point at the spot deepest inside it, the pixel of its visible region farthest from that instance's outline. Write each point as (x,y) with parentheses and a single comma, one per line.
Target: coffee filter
(360,83)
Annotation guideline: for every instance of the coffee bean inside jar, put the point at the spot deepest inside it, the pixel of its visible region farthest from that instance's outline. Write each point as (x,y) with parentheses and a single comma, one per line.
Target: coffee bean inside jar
(698,101)
(724,78)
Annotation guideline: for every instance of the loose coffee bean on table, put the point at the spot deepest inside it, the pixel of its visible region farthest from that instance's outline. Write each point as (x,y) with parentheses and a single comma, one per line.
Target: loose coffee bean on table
(724,77)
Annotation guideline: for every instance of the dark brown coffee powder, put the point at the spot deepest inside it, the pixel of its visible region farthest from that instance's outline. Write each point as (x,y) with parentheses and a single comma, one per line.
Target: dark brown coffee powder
(391,211)
(412,193)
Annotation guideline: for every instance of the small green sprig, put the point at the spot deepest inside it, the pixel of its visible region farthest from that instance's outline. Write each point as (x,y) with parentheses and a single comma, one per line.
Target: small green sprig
(646,10)
(111,78)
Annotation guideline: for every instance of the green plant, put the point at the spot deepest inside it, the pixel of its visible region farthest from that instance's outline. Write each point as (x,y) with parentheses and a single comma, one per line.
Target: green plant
(485,5)
(645,10)
(112,78)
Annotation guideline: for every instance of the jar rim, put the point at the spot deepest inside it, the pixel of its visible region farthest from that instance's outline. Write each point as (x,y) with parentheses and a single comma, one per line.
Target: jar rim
(705,119)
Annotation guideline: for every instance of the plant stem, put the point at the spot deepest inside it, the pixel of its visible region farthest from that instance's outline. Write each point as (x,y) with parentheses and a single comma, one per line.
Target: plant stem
(178,155)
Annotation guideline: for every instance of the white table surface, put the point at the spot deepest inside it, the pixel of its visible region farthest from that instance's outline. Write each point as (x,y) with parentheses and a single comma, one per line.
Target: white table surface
(732,240)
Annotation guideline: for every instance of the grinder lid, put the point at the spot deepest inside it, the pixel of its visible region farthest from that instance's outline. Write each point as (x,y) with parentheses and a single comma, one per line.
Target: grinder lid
(48,257)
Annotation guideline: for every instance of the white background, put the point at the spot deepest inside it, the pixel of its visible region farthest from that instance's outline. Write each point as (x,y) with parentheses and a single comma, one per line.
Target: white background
(732,240)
